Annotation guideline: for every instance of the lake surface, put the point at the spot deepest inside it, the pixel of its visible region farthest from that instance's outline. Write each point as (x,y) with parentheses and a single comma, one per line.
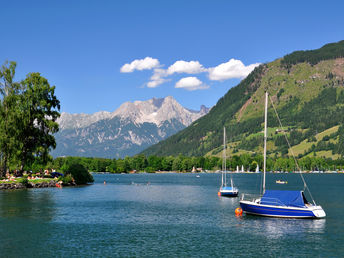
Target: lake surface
(166,215)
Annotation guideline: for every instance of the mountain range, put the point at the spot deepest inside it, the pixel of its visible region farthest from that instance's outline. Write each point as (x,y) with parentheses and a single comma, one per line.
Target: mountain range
(128,130)
(307,89)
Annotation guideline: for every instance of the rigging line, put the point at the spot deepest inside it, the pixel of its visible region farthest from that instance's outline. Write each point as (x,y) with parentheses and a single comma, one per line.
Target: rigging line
(224,183)
(229,164)
(292,152)
(225,153)
(261,184)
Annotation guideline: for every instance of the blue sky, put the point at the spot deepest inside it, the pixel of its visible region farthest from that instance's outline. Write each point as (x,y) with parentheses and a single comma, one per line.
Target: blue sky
(82,47)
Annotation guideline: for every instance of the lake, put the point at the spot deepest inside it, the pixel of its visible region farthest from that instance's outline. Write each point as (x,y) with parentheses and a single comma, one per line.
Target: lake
(166,215)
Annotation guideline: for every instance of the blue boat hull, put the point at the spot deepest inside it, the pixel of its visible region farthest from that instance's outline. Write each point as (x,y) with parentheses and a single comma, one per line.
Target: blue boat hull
(228,191)
(275,211)
(227,194)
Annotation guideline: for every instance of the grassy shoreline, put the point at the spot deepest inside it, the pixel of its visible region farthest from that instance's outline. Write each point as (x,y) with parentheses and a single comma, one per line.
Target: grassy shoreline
(23,183)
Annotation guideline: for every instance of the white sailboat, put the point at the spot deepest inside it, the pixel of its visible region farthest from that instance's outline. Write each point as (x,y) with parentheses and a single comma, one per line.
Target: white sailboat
(277,203)
(225,190)
(257,169)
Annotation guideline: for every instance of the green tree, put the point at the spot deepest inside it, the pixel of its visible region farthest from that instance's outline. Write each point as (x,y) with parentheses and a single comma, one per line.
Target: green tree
(154,162)
(8,103)
(39,111)
(80,174)
(177,163)
(245,160)
(167,162)
(138,162)
(186,164)
(120,166)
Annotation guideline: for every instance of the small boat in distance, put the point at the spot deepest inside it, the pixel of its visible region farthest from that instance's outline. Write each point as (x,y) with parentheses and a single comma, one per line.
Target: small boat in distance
(228,191)
(257,169)
(281,182)
(277,203)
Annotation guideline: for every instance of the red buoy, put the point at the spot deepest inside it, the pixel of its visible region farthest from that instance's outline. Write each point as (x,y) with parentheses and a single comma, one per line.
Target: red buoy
(238,211)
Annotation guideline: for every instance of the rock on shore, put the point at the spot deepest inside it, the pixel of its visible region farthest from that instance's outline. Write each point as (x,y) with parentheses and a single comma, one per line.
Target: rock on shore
(13,186)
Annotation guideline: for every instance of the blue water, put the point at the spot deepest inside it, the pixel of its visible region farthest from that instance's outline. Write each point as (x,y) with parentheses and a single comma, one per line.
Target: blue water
(165,215)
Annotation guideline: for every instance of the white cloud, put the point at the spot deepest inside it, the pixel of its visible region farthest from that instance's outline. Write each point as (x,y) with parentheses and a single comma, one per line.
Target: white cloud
(157,78)
(140,64)
(191,83)
(181,66)
(156,83)
(230,70)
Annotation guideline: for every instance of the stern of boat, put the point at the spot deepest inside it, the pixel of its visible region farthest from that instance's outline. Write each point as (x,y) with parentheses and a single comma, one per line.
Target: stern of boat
(319,212)
(251,198)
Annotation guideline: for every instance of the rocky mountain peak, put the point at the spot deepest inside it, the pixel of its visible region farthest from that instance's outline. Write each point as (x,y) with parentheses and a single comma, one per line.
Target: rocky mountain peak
(156,110)
(126,131)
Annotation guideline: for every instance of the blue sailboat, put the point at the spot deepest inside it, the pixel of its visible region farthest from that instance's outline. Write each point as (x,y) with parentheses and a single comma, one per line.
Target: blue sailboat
(278,203)
(225,190)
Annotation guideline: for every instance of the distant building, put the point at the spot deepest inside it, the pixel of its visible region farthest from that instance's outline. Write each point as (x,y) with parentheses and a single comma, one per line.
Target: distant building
(278,130)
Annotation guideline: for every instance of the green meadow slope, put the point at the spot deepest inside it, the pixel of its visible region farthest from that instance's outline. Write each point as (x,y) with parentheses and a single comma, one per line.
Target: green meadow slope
(307,89)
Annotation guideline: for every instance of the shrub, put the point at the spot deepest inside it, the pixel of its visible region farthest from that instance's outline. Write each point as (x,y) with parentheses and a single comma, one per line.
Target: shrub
(80,174)
(149,170)
(66,180)
(23,181)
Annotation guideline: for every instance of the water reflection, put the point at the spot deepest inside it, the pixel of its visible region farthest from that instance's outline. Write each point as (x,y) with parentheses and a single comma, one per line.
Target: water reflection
(274,228)
(176,215)
(34,204)
(25,217)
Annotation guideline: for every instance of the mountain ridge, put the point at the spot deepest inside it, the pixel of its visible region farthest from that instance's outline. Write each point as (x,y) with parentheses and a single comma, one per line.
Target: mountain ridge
(125,131)
(79,120)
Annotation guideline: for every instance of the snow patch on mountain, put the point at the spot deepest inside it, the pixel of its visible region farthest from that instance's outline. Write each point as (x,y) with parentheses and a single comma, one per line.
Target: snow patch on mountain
(156,111)
(128,130)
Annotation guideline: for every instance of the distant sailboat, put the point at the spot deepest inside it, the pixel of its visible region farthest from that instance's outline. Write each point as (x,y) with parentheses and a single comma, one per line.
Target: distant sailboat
(277,203)
(237,169)
(242,168)
(257,169)
(229,191)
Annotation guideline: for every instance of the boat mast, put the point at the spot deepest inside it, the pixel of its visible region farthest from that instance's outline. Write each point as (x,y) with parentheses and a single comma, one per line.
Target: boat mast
(265,137)
(224,155)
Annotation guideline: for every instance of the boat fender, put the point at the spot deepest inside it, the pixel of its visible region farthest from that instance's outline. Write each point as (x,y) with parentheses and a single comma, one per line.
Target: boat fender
(238,211)
(218,193)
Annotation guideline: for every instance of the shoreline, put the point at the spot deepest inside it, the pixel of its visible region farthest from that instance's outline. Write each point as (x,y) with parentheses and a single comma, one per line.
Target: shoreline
(219,171)
(16,185)
(12,185)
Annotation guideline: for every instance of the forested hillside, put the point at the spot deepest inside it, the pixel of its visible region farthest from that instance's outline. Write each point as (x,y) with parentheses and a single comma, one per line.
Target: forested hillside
(307,88)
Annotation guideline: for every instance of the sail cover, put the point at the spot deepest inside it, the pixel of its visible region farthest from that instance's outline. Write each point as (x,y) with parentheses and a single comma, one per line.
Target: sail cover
(283,198)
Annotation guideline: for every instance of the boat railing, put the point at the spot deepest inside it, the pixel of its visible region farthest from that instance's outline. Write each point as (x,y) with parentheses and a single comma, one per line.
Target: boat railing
(257,199)
(250,197)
